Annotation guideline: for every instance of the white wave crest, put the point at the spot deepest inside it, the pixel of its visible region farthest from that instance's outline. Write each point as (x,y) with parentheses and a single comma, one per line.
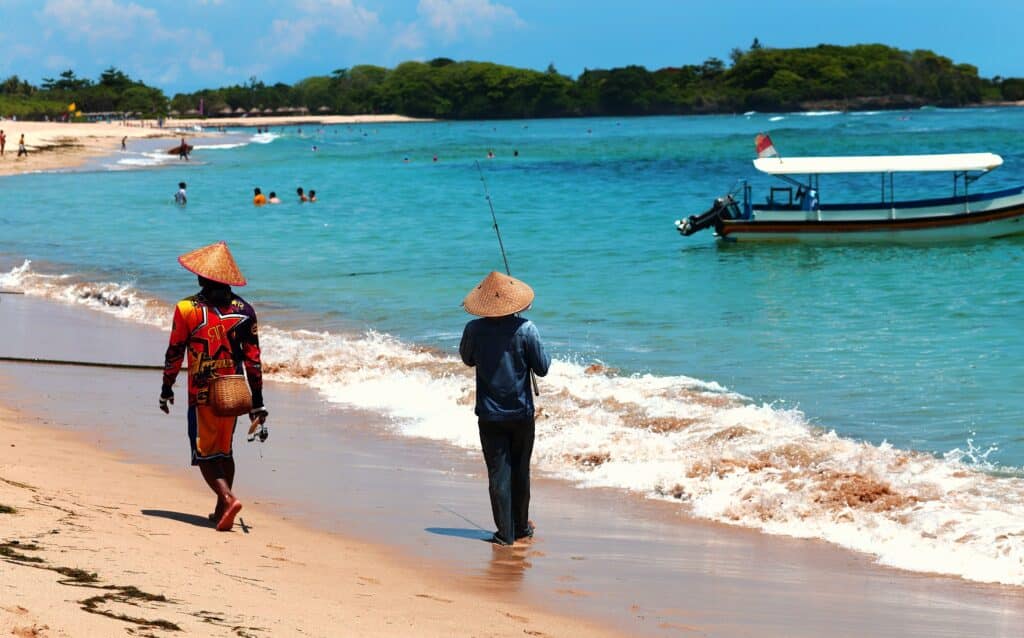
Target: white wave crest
(264,138)
(820,113)
(154,158)
(676,438)
(119,299)
(216,147)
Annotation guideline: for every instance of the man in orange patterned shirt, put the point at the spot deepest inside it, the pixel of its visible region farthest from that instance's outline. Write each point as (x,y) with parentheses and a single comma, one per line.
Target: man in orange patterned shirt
(217,329)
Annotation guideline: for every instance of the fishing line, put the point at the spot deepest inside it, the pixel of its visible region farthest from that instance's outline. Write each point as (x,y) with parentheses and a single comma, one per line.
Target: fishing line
(89,364)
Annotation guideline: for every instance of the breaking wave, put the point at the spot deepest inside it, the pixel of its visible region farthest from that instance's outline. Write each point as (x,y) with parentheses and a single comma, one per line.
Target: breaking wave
(720,455)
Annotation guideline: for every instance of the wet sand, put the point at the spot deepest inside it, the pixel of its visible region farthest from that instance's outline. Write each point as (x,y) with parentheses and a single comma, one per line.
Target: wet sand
(639,567)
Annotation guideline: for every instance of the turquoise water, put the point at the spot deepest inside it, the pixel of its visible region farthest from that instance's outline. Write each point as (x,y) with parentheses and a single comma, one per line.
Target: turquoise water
(917,346)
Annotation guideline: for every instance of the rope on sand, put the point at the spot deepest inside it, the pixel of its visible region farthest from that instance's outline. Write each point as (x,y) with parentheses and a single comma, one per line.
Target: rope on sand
(91,364)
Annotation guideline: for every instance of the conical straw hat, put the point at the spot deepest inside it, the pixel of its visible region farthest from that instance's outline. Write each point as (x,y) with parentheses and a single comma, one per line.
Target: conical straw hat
(498,295)
(215,263)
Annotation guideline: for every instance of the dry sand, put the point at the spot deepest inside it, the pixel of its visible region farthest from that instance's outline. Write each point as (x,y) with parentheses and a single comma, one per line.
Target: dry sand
(55,146)
(98,546)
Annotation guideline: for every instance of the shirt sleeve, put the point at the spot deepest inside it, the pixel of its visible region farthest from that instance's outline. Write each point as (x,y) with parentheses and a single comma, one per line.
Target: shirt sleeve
(249,339)
(175,348)
(536,357)
(467,346)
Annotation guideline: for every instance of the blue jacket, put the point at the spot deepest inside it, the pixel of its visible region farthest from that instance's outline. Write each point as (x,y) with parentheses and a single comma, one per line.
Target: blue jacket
(504,350)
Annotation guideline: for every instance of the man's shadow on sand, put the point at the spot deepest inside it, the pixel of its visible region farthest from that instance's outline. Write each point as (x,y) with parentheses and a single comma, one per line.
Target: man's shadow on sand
(191,519)
(181,517)
(461,532)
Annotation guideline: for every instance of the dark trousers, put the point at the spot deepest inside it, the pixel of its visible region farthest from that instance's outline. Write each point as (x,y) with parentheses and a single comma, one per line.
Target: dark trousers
(507,447)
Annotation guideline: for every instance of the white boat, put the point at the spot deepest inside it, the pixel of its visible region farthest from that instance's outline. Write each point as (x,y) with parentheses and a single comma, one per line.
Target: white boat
(799,212)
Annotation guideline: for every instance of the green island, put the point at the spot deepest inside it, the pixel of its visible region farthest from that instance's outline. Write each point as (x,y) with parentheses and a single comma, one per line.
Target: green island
(858,77)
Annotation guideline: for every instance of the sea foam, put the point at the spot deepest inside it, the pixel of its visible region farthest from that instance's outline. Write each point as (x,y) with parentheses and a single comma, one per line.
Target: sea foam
(718,454)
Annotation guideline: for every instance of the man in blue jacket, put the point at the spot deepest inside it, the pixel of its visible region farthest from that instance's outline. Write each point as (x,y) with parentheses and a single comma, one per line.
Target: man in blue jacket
(505,348)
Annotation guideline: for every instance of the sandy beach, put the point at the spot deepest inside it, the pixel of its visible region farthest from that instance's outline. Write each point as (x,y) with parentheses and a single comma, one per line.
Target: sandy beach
(349,531)
(57,146)
(103,547)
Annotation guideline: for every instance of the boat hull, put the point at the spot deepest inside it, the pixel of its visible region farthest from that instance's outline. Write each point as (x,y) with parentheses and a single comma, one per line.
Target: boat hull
(942,228)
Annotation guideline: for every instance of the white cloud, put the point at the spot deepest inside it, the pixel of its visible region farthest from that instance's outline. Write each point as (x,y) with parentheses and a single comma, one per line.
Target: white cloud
(450,18)
(289,36)
(100,21)
(409,37)
(344,17)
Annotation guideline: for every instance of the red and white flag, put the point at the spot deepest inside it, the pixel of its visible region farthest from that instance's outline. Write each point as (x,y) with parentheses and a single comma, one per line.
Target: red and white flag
(764,147)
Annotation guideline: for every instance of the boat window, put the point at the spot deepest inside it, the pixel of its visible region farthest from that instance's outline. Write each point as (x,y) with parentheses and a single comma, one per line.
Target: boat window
(781,196)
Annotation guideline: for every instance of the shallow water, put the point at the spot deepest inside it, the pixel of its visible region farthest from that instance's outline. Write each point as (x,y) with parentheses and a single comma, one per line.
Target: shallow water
(735,357)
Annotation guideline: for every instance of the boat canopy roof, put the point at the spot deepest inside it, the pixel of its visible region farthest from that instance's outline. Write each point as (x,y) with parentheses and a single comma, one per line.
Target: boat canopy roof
(950,162)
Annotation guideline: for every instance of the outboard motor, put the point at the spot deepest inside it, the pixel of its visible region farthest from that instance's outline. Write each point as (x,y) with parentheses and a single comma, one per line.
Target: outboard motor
(723,208)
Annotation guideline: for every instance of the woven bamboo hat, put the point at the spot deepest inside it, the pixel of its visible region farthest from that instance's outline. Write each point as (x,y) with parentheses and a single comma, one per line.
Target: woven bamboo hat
(498,295)
(215,263)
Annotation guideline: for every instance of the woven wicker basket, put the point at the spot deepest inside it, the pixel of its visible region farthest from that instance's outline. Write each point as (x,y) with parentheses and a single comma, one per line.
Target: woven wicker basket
(230,395)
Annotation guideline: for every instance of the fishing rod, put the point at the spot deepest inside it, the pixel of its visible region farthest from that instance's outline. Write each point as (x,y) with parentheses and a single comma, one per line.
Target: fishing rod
(501,244)
(90,364)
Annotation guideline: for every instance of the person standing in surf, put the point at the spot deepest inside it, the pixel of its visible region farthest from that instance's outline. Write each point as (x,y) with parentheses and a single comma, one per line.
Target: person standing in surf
(217,329)
(504,348)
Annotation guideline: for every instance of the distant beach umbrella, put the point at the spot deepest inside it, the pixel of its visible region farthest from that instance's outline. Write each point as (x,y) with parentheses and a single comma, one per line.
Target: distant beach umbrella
(324,109)
(268,111)
(281,109)
(225,111)
(239,111)
(192,112)
(174,113)
(254,111)
(302,109)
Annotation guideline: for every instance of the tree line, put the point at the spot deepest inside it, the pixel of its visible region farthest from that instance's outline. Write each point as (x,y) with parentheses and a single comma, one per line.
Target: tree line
(759,78)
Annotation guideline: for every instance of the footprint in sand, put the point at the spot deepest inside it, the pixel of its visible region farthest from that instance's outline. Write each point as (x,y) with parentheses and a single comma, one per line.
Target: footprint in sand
(35,631)
(517,618)
(437,598)
(17,610)
(366,580)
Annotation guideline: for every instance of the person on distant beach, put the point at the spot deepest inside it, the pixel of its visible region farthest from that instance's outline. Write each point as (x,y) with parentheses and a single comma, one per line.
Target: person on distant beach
(181,198)
(217,329)
(312,196)
(3,141)
(301,194)
(273,198)
(183,150)
(21,146)
(258,198)
(124,145)
(504,348)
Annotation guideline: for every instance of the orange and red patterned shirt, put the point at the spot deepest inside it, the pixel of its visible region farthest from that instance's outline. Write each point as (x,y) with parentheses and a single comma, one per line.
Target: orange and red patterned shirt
(218,340)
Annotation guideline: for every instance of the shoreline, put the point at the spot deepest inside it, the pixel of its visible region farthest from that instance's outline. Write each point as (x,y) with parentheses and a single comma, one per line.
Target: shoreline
(642,568)
(58,146)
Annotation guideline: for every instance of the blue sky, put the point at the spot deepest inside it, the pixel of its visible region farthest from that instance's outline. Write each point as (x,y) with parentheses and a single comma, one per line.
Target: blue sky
(183,45)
